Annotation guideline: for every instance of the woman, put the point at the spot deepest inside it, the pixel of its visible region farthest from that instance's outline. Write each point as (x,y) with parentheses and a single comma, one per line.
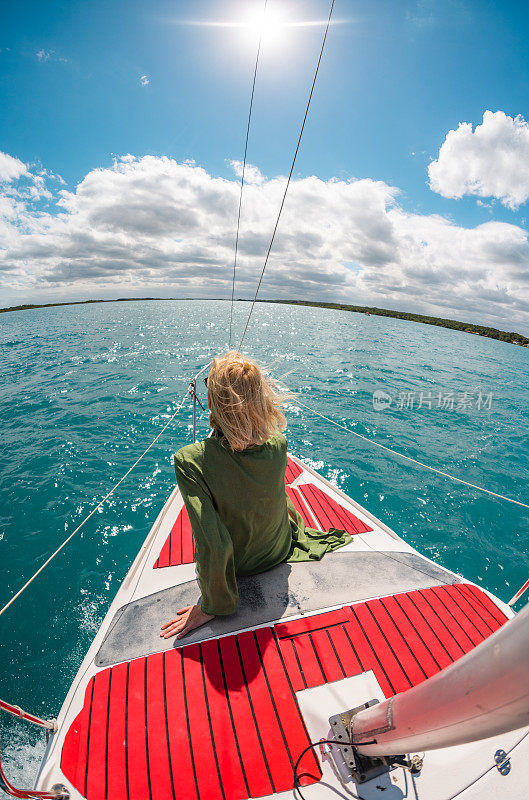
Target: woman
(233,486)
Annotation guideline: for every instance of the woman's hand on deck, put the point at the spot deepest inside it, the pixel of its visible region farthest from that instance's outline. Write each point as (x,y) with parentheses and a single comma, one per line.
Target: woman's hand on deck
(188,619)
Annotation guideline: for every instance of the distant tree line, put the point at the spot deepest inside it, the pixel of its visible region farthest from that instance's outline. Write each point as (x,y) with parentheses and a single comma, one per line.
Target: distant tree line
(76,303)
(467,327)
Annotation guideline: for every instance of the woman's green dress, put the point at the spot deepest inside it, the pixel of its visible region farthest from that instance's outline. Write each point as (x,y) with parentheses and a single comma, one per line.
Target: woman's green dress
(242,520)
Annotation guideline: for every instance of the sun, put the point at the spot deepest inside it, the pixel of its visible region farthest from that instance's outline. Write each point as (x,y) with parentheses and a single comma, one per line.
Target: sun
(271,25)
(268,25)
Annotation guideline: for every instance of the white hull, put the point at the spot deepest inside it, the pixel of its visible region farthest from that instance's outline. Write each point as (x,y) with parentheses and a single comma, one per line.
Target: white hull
(466,771)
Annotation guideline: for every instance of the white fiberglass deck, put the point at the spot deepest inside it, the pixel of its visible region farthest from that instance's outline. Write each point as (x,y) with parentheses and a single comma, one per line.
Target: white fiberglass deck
(227,715)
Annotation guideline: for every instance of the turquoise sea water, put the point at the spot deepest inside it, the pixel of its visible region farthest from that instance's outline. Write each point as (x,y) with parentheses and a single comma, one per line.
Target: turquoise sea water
(84,389)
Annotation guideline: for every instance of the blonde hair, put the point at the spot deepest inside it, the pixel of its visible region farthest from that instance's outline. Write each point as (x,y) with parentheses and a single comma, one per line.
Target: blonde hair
(245,403)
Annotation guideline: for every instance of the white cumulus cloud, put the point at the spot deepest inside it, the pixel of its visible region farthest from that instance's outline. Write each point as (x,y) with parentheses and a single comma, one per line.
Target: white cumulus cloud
(152,225)
(490,161)
(11,168)
(252,174)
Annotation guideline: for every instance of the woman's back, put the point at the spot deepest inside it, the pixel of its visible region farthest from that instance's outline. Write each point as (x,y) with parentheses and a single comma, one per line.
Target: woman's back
(247,491)
(233,485)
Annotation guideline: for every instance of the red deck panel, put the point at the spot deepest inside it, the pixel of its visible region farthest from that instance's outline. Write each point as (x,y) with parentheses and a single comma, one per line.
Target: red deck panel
(397,642)
(466,607)
(137,766)
(70,750)
(326,516)
(327,656)
(289,715)
(220,719)
(312,670)
(319,513)
(385,655)
(97,756)
(255,766)
(412,635)
(157,748)
(198,717)
(164,559)
(313,623)
(178,548)
(176,540)
(478,608)
(215,720)
(226,745)
(329,513)
(182,757)
(270,732)
(456,630)
(483,601)
(352,523)
(461,622)
(116,736)
(345,650)
(292,665)
(299,505)
(84,718)
(425,631)
(442,632)
(366,654)
(292,471)
(334,510)
(188,542)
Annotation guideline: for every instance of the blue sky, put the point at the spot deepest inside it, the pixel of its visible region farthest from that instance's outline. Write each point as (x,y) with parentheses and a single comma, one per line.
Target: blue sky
(396,78)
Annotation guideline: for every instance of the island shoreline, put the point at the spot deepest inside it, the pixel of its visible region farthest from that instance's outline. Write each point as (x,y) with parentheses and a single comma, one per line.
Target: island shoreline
(511,337)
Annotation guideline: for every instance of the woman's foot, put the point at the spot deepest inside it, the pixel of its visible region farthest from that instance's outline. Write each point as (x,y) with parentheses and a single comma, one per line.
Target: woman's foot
(188,619)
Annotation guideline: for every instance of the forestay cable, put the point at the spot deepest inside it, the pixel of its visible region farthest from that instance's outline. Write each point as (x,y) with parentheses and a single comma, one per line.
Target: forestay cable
(290,173)
(242,175)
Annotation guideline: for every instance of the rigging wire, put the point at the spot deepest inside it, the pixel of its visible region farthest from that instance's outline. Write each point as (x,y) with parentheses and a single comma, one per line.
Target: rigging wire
(295,401)
(127,473)
(242,175)
(290,173)
(98,506)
